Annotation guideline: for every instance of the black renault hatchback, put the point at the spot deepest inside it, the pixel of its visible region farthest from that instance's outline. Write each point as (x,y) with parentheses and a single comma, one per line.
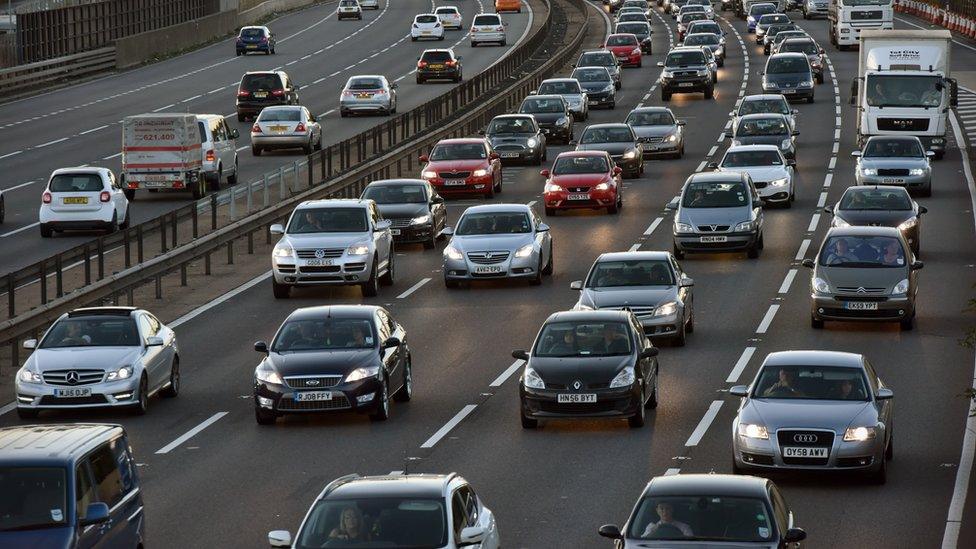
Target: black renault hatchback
(333,358)
(589,364)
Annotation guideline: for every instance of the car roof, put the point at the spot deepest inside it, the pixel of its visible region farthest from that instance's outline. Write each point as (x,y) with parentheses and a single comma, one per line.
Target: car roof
(894,138)
(685,48)
(366,76)
(333,311)
(335,203)
(764,97)
(737,148)
(464,140)
(514,115)
(446,8)
(631,256)
(621,34)
(592,316)
(251,73)
(814,358)
(798,39)
(706,177)
(862,230)
(396,182)
(416,485)
(607,125)
(260,27)
(210,117)
(886,188)
(599,51)
(102,311)
(554,80)
(707,484)
(438,50)
(493,208)
(757,115)
(652,109)
(54,444)
(80,169)
(787,54)
(570,154)
(548,95)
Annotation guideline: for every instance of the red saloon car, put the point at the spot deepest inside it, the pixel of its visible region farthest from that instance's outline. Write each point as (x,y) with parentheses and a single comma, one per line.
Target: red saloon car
(626,48)
(463,167)
(582,179)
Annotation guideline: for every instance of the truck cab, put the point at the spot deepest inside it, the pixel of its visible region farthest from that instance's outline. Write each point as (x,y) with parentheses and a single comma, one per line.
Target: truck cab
(848,18)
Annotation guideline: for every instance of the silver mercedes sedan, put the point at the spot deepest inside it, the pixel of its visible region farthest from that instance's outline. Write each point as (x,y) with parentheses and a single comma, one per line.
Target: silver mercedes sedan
(895,160)
(286,127)
(814,410)
(649,284)
(498,241)
(368,94)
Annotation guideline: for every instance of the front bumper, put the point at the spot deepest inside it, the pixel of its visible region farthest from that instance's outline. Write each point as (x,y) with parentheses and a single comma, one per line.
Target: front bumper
(791,93)
(559,200)
(445,74)
(518,153)
(623,402)
(752,453)
(735,242)
(412,233)
(654,148)
(552,131)
(770,193)
(359,396)
(513,267)
(472,185)
(687,84)
(890,309)
(629,60)
(343,271)
(910,182)
(107,394)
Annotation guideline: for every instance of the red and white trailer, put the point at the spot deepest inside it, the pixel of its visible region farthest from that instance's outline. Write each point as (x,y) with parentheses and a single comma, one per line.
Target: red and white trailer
(162,152)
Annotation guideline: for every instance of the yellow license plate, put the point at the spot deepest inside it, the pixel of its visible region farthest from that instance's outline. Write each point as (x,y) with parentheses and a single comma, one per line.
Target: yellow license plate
(364,96)
(279,129)
(260,95)
(76,200)
(436,67)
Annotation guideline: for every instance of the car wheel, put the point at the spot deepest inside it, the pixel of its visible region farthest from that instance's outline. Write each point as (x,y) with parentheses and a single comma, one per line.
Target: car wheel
(880,476)
(281,291)
(200,189)
(498,186)
(527,422)
(173,388)
(907,324)
(46,231)
(382,412)
(665,96)
(241,118)
(721,62)
(652,400)
(420,80)
(691,319)
(371,287)
(816,323)
(451,284)
(431,243)
(264,417)
(678,254)
(113,225)
(537,279)
(126,221)
(130,194)
(549,266)
(27,413)
(256,151)
(550,212)
(810,99)
(736,470)
(637,420)
(140,407)
(681,337)
(307,148)
(613,209)
(710,92)
(820,78)
(390,277)
(406,391)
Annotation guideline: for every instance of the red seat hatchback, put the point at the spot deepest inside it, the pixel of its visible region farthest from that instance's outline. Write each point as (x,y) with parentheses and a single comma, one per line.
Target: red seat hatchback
(583,180)
(463,167)
(626,48)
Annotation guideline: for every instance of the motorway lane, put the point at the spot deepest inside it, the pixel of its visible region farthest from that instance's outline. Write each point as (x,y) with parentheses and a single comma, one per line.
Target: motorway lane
(322,77)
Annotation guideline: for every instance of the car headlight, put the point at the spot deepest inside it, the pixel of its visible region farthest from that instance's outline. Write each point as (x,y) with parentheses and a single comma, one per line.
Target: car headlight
(532,142)
(428,174)
(479,173)
(550,188)
(786,144)
(625,378)
(665,75)
(532,380)
(602,187)
(451,252)
(362,373)
(869,171)
(702,72)
(671,138)
(751,19)
(770,85)
(839,222)
(562,121)
(632,153)
(916,171)
(268,375)
(358,249)
(753,430)
(666,309)
(420,220)
(779,182)
(609,88)
(901,287)
(124,372)
(908,224)
(524,251)
(28,376)
(745,226)
(820,286)
(859,434)
(683,228)
(814,62)
(805,84)
(283,251)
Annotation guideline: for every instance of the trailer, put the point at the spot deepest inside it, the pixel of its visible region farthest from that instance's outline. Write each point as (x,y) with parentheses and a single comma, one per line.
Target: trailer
(162,152)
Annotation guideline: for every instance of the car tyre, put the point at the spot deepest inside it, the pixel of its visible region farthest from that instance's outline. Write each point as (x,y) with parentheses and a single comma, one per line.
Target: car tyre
(528,422)
(690,327)
(637,420)
(890,449)
(382,412)
(256,151)
(678,254)
(431,242)
(27,413)
(710,92)
(173,389)
(547,270)
(537,279)
(371,287)
(142,405)
(907,324)
(406,391)
(390,277)
(651,402)
(46,231)
(281,291)
(451,284)
(816,323)
(880,476)
(264,417)
(665,96)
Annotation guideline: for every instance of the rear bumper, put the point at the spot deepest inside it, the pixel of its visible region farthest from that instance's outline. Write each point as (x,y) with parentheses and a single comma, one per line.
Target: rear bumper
(279,141)
(76,220)
(487,37)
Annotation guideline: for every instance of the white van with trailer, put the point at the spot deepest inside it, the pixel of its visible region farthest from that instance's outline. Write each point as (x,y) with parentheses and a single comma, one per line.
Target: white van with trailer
(162,152)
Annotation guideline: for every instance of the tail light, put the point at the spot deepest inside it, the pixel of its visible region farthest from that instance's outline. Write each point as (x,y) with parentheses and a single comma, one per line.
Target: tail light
(243,93)
(211,156)
(277,93)
(264,40)
(133,185)
(348,93)
(105,196)
(500,29)
(46,197)
(255,128)
(422,64)
(450,63)
(300,128)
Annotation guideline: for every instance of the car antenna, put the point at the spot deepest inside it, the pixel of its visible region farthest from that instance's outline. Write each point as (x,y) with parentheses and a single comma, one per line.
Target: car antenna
(406,464)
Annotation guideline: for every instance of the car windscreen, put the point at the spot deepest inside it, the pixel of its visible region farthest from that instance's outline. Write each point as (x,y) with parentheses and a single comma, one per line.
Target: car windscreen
(637,29)
(374,522)
(482,223)
(790,32)
(621,134)
(32,498)
(565,87)
(76,183)
(396,194)
(591,75)
(280,115)
(436,56)
(903,91)
(761,126)
(805,46)
(320,334)
(638,272)
(599,59)
(583,338)
(715,194)
(875,199)
(659,118)
(860,252)
(773,18)
(636,16)
(542,104)
(642,4)
(511,125)
(459,151)
(364,84)
(426,19)
(787,65)
(761,9)
(703,518)
(622,40)
(258,82)
(705,27)
(762,106)
(741,159)
(328,220)
(485,20)
(893,148)
(685,59)
(571,165)
(252,33)
(693,16)
(776,29)
(811,383)
(92,331)
(705,39)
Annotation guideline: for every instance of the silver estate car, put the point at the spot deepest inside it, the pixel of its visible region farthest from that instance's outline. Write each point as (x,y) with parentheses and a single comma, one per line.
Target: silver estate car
(649,284)
(333,242)
(99,357)
(899,160)
(571,90)
(498,241)
(286,127)
(765,103)
(814,410)
(718,212)
(660,133)
(864,273)
(368,94)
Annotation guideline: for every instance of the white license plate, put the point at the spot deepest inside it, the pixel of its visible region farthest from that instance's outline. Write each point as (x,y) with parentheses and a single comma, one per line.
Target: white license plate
(487,269)
(454,182)
(579,196)
(252,47)
(157,184)
(509,155)
(318,262)
(576,398)
(714,239)
(395,232)
(685,84)
(73,392)
(891,180)
(794,452)
(306,396)
(425,32)
(593,102)
(154,177)
(260,95)
(861,305)
(788,90)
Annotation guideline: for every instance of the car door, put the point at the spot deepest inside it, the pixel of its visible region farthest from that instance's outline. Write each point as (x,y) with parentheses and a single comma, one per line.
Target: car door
(225,145)
(438,210)
(391,355)
(107,479)
(152,355)
(884,407)
(168,349)
(118,197)
(685,295)
(382,239)
(543,237)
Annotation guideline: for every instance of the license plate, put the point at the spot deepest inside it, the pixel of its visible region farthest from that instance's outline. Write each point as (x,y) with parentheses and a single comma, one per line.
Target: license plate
(425,32)
(260,95)
(487,269)
(157,185)
(578,196)
(788,90)
(279,129)
(252,47)
(305,396)
(364,95)
(395,232)
(154,178)
(318,262)
(509,155)
(891,180)
(685,84)
(861,306)
(73,392)
(576,398)
(706,239)
(593,102)
(454,182)
(794,452)
(436,67)
(76,200)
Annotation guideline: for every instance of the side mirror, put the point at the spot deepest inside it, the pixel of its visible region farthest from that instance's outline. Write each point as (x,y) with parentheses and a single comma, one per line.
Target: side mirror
(382,225)
(829,210)
(96,513)
(277,228)
(297,87)
(437,199)
(279,538)
(459,58)
(520,355)
(481,132)
(921,210)
(573,143)
(808,263)
(611,531)
(234,134)
(261,347)
(391,342)
(791,162)
(856,154)
(711,166)
(681,122)
(916,265)
(424,158)
(884,394)
(603,45)
(649,352)
(493,156)
(542,228)
(154,341)
(794,112)
(471,535)
(739,390)
(30,343)
(447,231)
(731,113)
(534,92)
(762,73)
(394,86)
(794,535)
(660,64)
(796,133)
(576,285)
(686,282)
(544,173)
(673,205)
(617,170)
(930,154)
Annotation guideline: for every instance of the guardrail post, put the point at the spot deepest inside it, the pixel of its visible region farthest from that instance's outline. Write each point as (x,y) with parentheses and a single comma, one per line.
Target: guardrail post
(139,242)
(88,265)
(206,263)
(281,183)
(15,352)
(128,247)
(100,250)
(130,297)
(183,274)
(250,197)
(250,242)
(329,161)
(59,276)
(43,280)
(266,183)
(194,214)
(174,223)
(295,190)
(213,212)
(162,234)
(11,293)
(159,286)
(321,164)
(233,206)
(230,252)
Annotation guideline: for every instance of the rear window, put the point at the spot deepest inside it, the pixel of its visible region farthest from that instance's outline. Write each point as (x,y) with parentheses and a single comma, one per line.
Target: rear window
(255,82)
(252,33)
(559,88)
(701,40)
(622,40)
(807,47)
(280,115)
(436,56)
(365,83)
(542,104)
(591,75)
(203,131)
(772,18)
(487,20)
(427,19)
(76,183)
(597,59)
(446,10)
(705,27)
(639,29)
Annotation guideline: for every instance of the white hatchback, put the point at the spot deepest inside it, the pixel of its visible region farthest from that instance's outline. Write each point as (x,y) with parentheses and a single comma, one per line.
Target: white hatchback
(83,198)
(426,25)
(450,17)
(487,27)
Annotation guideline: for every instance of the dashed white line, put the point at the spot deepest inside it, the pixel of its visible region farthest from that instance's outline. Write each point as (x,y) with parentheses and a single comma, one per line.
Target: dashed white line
(414,288)
(701,166)
(634,247)
(705,422)
(15,153)
(111,157)
(503,377)
(188,99)
(813,223)
(712,151)
(672,471)
(192,432)
(784,288)
(740,364)
(163,108)
(42,145)
(436,437)
(652,226)
(767,319)
(828,179)
(802,252)
(86,132)
(822,200)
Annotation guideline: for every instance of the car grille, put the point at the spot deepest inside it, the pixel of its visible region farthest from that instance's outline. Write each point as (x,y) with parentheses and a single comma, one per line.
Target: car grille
(313,382)
(638,311)
(585,386)
(713,228)
(326,252)
(846,313)
(860,298)
(821,439)
(454,175)
(857,291)
(400,223)
(338,402)
(482,258)
(50,400)
(578,189)
(509,148)
(903,124)
(593,408)
(685,73)
(322,269)
(651,140)
(892,171)
(85,377)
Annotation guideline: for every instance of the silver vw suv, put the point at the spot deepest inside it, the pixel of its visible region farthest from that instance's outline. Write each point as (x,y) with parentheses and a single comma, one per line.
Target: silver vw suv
(333,242)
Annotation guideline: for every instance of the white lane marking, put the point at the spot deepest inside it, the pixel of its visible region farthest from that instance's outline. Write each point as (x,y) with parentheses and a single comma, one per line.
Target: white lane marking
(803,249)
(112,156)
(8,407)
(740,364)
(784,288)
(20,230)
(822,200)
(828,179)
(712,150)
(192,432)
(703,425)
(503,377)
(51,143)
(634,247)
(215,90)
(813,223)
(163,108)
(653,226)
(8,189)
(837,133)
(672,471)
(413,288)
(835,149)
(239,149)
(436,437)
(188,99)
(10,154)
(86,132)
(220,299)
(767,319)
(701,166)
(833,163)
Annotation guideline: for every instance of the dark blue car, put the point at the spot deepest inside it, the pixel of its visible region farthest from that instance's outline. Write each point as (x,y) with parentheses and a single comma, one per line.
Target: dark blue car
(69,486)
(255,39)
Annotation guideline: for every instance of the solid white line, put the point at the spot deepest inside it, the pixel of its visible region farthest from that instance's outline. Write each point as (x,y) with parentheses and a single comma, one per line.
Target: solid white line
(503,377)
(86,132)
(220,299)
(813,223)
(189,434)
(672,471)
(653,226)
(767,319)
(784,288)
(634,247)
(51,142)
(8,408)
(924,28)
(10,154)
(740,364)
(803,249)
(414,288)
(436,437)
(706,420)
(239,149)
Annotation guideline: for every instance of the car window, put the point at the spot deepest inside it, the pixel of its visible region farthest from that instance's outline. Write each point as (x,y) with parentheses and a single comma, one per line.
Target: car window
(145,328)
(855,251)
(253,32)
(811,383)
(876,199)
(364,83)
(322,334)
(542,105)
(591,75)
(383,521)
(383,326)
(458,516)
(511,125)
(487,20)
(641,272)
(761,9)
(799,46)
(597,59)
(446,10)
(597,134)
(761,126)
(685,58)
(701,39)
(91,331)
(494,223)
(84,490)
(569,165)
(622,40)
(396,194)
(893,148)
(328,220)
(740,159)
(125,464)
(781,512)
(459,151)
(76,183)
(638,29)
(785,65)
(261,82)
(470,504)
(280,115)
(32,498)
(203,131)
(715,194)
(106,475)
(651,118)
(559,88)
(436,56)
(703,517)
(426,19)
(583,338)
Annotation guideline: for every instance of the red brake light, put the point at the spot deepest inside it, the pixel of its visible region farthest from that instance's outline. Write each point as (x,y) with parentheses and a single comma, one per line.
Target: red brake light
(104,196)
(277,93)
(211,156)
(255,128)
(449,63)
(422,64)
(300,127)
(46,197)
(243,93)
(265,39)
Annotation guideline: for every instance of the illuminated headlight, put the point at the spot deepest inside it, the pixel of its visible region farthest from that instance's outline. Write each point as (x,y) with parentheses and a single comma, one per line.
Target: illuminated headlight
(805,84)
(753,430)
(683,228)
(769,84)
(624,379)
(27,376)
(524,251)
(632,153)
(859,434)
(267,375)
(671,138)
(820,286)
(869,171)
(550,188)
(563,121)
(751,19)
(908,224)
(838,222)
(283,251)
(358,249)
(479,173)
(429,174)
(901,287)
(609,88)
(635,51)
(815,62)
(532,142)
(668,308)
(779,182)
(785,144)
(745,226)
(124,372)
(916,171)
(451,252)
(602,187)
(702,72)
(420,220)
(532,380)
(362,373)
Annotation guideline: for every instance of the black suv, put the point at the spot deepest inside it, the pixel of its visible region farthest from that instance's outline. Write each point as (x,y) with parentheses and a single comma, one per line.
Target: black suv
(686,71)
(262,89)
(438,64)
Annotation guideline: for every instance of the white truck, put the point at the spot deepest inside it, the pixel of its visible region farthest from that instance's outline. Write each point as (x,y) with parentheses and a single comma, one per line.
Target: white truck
(162,152)
(903,86)
(848,18)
